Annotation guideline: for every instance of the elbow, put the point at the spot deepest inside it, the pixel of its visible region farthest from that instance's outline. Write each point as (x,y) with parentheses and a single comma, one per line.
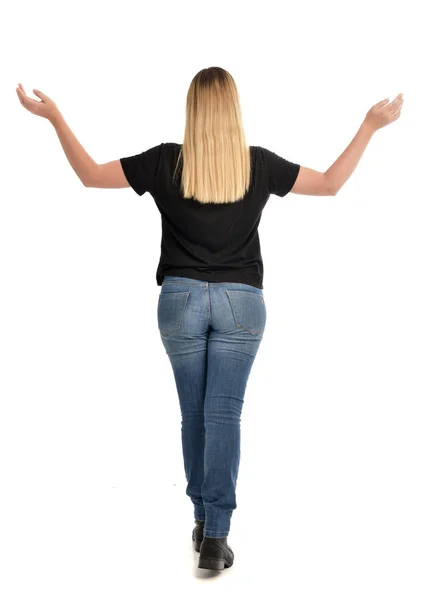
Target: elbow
(328,186)
(91,178)
(331,191)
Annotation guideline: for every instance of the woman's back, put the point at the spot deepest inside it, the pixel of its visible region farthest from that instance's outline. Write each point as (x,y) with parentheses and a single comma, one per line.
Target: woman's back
(209,241)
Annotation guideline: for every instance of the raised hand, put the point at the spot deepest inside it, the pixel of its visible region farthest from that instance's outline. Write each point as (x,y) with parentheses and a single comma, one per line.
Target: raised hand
(45,107)
(383,113)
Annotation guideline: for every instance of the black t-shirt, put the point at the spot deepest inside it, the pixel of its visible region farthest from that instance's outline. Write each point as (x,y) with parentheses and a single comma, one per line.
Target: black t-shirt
(210,242)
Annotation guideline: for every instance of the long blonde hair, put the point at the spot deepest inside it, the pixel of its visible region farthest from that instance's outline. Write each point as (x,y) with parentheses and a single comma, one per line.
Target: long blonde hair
(216,159)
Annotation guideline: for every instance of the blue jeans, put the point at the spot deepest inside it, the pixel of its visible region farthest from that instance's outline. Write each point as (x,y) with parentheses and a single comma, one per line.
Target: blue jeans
(211,333)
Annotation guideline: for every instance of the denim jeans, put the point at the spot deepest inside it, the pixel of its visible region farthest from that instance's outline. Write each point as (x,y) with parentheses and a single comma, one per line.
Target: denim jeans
(211,333)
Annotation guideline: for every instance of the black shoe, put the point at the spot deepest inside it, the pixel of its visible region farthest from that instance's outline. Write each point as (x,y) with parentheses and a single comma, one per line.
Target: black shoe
(215,554)
(198,534)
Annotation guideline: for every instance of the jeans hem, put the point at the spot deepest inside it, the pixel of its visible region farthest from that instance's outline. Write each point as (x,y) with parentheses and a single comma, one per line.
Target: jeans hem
(216,534)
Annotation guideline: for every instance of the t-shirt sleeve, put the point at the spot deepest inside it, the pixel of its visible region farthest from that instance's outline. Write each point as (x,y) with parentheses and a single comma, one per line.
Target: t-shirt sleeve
(141,169)
(282,173)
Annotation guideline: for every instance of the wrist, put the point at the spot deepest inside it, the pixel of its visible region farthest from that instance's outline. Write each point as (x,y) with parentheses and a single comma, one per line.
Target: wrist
(55,118)
(368,128)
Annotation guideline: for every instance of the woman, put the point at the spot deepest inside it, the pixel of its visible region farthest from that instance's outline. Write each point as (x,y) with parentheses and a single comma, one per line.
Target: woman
(210,192)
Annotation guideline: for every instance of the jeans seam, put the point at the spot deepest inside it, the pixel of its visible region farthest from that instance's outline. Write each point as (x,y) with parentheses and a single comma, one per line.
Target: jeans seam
(208,300)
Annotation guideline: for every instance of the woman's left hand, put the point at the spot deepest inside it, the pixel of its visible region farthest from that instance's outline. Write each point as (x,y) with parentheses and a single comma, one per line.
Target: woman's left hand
(45,107)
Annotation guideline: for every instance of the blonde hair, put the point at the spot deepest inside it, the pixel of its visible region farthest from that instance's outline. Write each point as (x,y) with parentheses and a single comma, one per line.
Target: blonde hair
(216,159)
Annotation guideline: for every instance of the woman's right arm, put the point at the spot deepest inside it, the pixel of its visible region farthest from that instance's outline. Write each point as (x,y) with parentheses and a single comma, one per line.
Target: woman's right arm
(314,183)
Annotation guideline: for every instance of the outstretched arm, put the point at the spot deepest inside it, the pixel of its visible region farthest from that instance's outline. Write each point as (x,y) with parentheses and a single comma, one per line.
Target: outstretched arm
(315,183)
(90,173)
(110,175)
(83,165)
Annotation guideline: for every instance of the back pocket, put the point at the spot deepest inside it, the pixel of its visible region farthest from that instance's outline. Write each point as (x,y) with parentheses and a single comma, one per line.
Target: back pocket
(170,311)
(248,310)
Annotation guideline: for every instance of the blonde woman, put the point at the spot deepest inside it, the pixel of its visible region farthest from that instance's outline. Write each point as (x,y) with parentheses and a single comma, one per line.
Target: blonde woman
(210,191)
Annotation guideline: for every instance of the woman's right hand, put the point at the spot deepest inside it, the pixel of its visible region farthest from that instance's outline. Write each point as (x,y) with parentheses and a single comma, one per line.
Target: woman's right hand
(383,113)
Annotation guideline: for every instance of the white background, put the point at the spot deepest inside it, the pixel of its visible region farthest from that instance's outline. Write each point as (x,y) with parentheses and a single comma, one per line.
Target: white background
(332,495)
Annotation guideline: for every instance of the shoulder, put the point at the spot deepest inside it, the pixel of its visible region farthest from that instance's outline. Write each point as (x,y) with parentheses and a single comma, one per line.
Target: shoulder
(169,148)
(171,145)
(265,152)
(163,147)
(262,155)
(271,159)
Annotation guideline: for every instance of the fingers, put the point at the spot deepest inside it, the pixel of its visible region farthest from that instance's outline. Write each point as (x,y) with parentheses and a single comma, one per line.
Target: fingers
(21,96)
(392,106)
(25,100)
(398,101)
(41,95)
(28,103)
(391,112)
(396,106)
(381,103)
